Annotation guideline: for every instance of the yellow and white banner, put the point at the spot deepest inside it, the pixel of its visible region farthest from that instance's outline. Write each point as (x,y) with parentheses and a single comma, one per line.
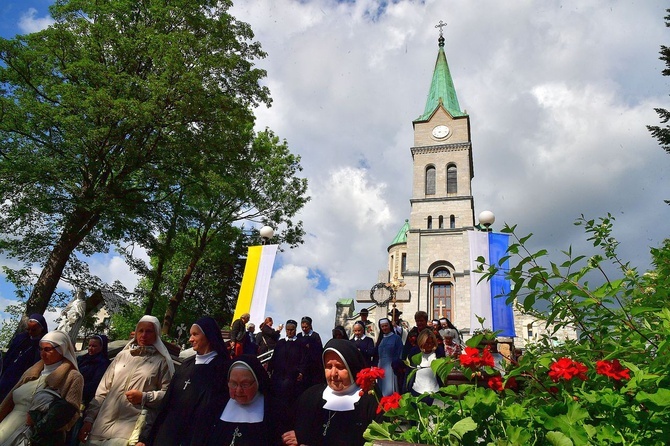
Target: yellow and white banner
(255,283)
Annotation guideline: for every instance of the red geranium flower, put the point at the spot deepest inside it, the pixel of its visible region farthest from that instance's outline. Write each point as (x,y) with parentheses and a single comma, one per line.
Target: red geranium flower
(366,378)
(389,402)
(567,369)
(473,358)
(496,383)
(487,357)
(612,369)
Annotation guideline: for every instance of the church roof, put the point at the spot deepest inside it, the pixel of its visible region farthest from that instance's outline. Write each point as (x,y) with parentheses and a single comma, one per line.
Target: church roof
(401,237)
(442,89)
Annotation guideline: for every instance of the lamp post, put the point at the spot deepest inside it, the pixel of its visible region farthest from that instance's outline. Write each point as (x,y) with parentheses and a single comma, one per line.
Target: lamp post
(486,220)
(266,233)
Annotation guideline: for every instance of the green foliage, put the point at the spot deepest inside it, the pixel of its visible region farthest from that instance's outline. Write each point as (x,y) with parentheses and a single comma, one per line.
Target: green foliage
(626,319)
(106,115)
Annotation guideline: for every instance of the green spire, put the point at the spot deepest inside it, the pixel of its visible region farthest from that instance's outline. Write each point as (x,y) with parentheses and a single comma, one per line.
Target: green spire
(442,89)
(402,234)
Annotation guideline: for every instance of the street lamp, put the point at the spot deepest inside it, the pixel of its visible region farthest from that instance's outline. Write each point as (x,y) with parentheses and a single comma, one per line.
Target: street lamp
(266,233)
(486,220)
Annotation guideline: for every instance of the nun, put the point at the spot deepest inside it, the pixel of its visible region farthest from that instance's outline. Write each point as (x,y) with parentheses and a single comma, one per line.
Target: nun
(241,416)
(335,412)
(389,351)
(134,384)
(191,388)
(47,395)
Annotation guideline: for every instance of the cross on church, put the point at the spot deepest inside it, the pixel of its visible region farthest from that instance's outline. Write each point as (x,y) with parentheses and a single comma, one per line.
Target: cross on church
(440,25)
(440,306)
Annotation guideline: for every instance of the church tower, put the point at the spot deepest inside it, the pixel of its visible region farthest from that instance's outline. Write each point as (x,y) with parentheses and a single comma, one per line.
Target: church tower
(429,258)
(436,272)
(430,254)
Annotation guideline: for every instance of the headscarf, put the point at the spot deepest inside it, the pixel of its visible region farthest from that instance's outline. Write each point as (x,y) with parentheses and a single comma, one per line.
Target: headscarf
(291,322)
(348,353)
(40,320)
(213,334)
(104,342)
(307,319)
(354,363)
(341,330)
(252,363)
(253,412)
(158,345)
(61,341)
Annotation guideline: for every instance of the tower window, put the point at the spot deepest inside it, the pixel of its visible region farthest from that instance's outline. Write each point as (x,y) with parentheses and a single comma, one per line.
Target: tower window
(440,222)
(452,221)
(403,262)
(430,222)
(430,180)
(441,300)
(452,180)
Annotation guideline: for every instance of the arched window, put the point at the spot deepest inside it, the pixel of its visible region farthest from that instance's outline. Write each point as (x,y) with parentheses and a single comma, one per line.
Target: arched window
(430,180)
(452,221)
(441,292)
(452,180)
(430,222)
(440,222)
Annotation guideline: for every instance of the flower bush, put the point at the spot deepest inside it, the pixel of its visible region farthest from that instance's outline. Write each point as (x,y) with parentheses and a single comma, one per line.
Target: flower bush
(610,386)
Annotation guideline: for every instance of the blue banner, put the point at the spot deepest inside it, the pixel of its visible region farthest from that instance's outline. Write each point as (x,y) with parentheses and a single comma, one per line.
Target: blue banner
(502,313)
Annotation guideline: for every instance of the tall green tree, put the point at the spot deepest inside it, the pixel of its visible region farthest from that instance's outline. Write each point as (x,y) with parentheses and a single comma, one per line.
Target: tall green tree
(662,134)
(105,112)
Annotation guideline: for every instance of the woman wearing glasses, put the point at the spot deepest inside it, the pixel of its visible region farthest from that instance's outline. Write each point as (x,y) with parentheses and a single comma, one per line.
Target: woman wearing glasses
(44,404)
(240,416)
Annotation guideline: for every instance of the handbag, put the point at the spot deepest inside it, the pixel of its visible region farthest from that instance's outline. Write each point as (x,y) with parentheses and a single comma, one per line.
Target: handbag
(139,425)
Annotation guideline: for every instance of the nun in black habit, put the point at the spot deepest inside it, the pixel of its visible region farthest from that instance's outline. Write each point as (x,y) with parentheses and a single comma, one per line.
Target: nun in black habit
(335,413)
(199,379)
(242,416)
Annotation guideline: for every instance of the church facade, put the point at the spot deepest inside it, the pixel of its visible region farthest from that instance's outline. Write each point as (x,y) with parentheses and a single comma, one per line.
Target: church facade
(429,259)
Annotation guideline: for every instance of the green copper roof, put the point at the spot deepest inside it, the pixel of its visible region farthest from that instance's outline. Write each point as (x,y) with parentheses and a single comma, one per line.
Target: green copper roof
(441,88)
(402,234)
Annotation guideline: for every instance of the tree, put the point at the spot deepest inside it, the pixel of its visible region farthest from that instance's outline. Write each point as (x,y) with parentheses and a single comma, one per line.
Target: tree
(260,186)
(662,134)
(104,113)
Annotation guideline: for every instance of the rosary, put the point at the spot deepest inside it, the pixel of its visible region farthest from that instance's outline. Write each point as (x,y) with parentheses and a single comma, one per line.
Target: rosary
(327,424)
(237,433)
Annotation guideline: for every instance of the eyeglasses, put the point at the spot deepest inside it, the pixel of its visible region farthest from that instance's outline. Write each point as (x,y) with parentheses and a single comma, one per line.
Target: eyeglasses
(47,349)
(243,386)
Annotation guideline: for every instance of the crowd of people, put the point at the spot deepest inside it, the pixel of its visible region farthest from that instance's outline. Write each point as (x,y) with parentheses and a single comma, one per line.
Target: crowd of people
(305,393)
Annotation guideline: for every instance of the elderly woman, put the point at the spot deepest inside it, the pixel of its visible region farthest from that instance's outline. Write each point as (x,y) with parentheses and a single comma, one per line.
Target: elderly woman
(137,379)
(451,346)
(47,396)
(389,350)
(240,416)
(191,388)
(335,413)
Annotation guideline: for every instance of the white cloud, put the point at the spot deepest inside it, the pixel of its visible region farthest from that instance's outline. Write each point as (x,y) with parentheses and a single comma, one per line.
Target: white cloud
(28,23)
(559,95)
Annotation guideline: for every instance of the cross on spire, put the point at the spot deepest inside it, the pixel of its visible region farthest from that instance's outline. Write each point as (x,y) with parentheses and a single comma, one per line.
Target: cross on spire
(440,25)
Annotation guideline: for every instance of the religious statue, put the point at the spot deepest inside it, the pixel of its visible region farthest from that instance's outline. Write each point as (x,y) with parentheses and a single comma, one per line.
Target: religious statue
(72,315)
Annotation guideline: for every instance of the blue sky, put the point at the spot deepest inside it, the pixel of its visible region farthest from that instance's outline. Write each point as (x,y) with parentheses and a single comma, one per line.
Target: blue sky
(559,94)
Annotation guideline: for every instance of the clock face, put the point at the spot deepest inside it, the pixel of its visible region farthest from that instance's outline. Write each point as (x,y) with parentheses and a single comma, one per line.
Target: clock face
(441,131)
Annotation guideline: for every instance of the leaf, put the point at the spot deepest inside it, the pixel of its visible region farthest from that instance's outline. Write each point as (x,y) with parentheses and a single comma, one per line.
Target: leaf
(656,401)
(558,439)
(376,431)
(463,427)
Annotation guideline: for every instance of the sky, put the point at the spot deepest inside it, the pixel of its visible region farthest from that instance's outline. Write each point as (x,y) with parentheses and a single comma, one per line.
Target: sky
(558,93)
